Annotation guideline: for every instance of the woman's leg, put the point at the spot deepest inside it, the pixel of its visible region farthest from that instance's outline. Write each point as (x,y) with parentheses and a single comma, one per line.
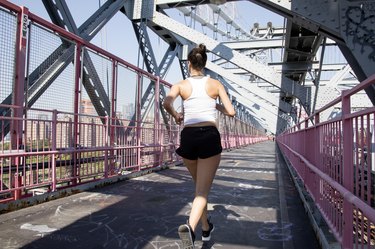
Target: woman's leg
(205,172)
(191,165)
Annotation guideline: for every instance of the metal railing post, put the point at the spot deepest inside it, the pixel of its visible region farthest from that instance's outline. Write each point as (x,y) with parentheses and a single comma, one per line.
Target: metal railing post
(106,130)
(114,120)
(157,138)
(17,184)
(77,92)
(18,98)
(53,145)
(347,124)
(139,118)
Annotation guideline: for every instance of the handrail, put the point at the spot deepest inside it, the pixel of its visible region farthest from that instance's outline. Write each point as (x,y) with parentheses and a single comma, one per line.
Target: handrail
(56,148)
(335,161)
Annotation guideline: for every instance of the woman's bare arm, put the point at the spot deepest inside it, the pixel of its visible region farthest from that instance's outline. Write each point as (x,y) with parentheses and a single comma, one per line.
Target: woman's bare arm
(227,107)
(168,103)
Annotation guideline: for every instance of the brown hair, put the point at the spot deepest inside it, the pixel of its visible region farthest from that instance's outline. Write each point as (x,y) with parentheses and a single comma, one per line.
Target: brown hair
(198,57)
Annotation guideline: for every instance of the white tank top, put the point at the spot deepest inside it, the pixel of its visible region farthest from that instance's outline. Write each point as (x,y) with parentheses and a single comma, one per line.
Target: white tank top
(199,107)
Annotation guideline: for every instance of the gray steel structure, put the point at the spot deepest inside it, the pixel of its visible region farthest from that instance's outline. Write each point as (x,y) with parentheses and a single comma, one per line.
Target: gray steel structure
(267,92)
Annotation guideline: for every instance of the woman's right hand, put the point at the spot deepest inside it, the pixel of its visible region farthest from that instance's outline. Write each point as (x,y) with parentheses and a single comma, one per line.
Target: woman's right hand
(179,117)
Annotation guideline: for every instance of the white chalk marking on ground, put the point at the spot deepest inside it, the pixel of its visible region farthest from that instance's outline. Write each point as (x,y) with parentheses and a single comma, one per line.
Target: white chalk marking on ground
(38,228)
(250,186)
(247,171)
(89,196)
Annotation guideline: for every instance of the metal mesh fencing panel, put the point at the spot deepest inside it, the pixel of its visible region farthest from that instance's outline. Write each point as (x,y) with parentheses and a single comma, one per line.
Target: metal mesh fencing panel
(148,95)
(97,86)
(126,93)
(51,72)
(8,31)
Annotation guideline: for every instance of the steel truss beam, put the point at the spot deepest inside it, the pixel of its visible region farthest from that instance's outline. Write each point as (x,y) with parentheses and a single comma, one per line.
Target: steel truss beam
(184,69)
(170,38)
(269,114)
(265,99)
(196,36)
(152,67)
(337,22)
(255,44)
(218,11)
(264,114)
(347,22)
(331,91)
(234,57)
(266,117)
(262,44)
(44,75)
(228,19)
(87,31)
(162,33)
(189,11)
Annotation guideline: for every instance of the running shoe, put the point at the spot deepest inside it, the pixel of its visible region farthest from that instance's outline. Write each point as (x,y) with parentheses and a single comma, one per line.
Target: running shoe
(206,235)
(187,236)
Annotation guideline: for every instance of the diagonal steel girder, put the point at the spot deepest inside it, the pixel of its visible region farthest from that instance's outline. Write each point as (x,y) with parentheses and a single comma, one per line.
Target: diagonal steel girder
(262,116)
(184,68)
(242,61)
(349,23)
(166,61)
(60,15)
(173,38)
(256,90)
(266,98)
(257,107)
(247,103)
(152,67)
(189,11)
(43,76)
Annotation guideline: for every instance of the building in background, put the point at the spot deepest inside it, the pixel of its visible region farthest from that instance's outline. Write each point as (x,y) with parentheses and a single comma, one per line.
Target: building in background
(128,111)
(87,107)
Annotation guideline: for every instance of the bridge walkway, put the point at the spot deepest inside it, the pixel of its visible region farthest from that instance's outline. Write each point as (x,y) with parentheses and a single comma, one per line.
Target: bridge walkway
(253,204)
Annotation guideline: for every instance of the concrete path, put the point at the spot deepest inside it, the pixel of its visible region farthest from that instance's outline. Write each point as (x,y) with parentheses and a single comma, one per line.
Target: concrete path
(253,204)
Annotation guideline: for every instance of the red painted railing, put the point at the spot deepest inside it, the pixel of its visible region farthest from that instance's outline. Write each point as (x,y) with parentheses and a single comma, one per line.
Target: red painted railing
(335,161)
(48,158)
(46,149)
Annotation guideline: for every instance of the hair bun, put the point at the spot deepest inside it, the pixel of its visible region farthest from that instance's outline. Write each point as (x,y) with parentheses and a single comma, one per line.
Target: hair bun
(202,47)
(198,57)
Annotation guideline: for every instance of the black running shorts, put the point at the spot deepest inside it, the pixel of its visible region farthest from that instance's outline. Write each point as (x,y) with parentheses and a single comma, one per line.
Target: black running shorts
(199,142)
